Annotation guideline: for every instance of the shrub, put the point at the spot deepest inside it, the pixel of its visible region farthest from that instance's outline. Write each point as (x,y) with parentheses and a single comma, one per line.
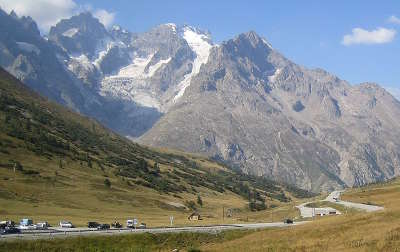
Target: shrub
(107,183)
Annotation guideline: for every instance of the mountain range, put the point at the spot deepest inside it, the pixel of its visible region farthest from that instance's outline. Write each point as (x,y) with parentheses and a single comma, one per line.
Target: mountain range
(240,102)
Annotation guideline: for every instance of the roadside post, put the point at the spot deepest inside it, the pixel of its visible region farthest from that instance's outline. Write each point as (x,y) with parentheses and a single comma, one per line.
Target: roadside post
(171,220)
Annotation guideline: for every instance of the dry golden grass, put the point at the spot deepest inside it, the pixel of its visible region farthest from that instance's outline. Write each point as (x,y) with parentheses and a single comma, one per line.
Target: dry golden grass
(77,193)
(355,231)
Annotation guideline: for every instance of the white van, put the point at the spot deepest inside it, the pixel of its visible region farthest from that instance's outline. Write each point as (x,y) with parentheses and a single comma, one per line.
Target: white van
(131,223)
(42,225)
(66,224)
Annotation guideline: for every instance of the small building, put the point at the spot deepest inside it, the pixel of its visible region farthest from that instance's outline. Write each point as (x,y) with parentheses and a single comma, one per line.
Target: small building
(325,211)
(194,217)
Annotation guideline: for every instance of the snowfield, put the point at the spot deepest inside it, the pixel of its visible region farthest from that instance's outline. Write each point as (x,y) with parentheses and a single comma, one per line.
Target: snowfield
(71,32)
(200,45)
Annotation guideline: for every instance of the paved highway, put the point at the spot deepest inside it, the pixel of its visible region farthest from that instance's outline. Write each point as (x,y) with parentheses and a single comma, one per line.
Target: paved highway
(59,232)
(67,232)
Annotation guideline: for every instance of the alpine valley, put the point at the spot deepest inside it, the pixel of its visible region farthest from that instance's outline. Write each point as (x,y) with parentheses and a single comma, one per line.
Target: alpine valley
(240,102)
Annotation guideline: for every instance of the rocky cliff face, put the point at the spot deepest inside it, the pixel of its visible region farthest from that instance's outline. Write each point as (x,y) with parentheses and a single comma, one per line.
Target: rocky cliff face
(241,102)
(252,107)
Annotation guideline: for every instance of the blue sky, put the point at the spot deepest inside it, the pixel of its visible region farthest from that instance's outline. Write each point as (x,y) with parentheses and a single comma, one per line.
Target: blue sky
(308,32)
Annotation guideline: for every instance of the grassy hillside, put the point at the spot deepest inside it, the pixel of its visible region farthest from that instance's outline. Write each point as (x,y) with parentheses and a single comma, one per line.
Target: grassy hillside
(56,164)
(352,231)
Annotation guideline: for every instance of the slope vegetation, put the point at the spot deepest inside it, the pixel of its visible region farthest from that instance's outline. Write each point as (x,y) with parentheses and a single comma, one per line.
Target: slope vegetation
(57,164)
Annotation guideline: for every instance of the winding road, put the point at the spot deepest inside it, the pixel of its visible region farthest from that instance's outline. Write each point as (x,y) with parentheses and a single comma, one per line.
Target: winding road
(334,197)
(365,207)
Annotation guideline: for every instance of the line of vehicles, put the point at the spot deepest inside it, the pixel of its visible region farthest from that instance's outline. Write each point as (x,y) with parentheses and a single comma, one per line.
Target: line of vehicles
(10,227)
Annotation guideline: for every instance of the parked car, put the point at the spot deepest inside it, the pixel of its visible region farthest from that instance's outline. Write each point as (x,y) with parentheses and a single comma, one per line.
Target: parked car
(66,224)
(288,221)
(7,223)
(93,224)
(103,227)
(131,223)
(142,226)
(42,225)
(10,230)
(116,224)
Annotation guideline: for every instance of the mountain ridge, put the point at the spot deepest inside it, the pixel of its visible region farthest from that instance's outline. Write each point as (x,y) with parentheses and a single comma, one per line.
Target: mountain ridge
(241,102)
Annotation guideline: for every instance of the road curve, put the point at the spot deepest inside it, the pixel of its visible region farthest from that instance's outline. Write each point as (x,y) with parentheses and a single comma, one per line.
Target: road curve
(307,212)
(62,233)
(365,207)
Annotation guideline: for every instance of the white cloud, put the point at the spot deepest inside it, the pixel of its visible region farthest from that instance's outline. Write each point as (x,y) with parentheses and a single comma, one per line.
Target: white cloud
(105,17)
(45,12)
(394,20)
(361,36)
(395,91)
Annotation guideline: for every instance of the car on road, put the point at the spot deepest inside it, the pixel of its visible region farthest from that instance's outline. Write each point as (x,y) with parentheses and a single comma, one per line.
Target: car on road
(103,227)
(66,224)
(9,230)
(288,221)
(93,224)
(142,226)
(42,225)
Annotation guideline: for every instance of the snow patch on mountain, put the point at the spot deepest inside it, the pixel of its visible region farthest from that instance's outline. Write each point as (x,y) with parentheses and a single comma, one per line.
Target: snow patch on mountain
(71,32)
(102,52)
(198,42)
(267,43)
(273,77)
(129,89)
(172,26)
(130,82)
(136,69)
(82,60)
(27,47)
(146,100)
(155,67)
(116,28)
(138,66)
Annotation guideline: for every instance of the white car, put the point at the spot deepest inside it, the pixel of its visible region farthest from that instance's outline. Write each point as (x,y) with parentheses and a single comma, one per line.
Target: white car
(42,225)
(66,224)
(27,227)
